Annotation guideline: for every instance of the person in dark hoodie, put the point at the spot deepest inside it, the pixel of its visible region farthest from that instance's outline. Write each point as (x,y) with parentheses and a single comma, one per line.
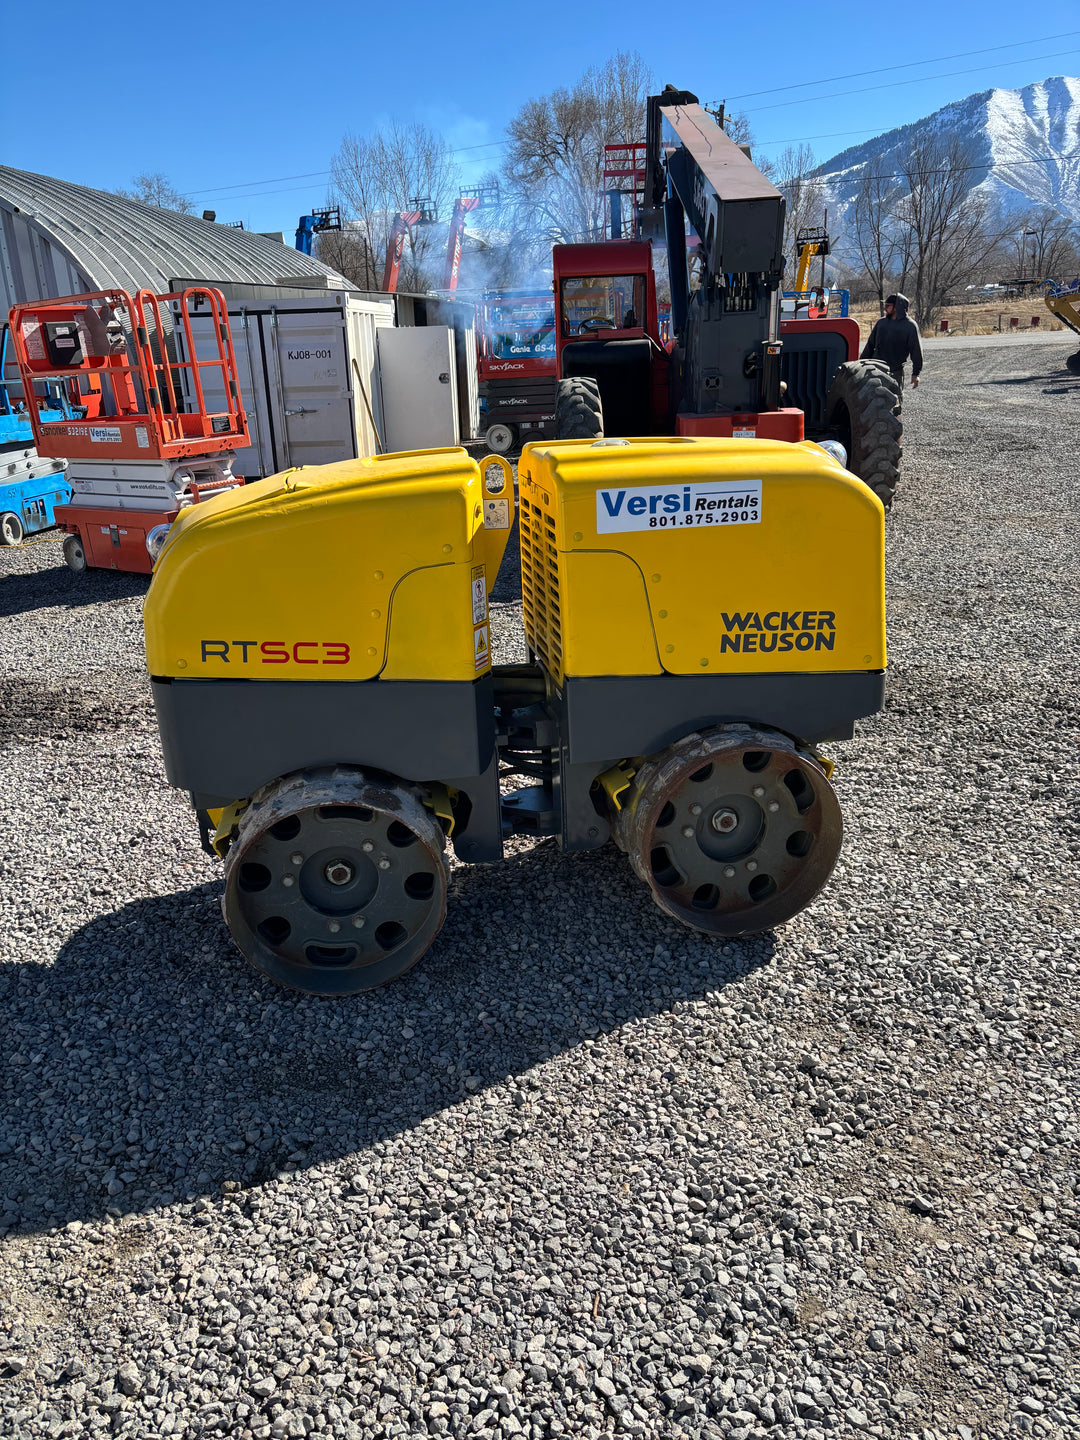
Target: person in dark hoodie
(895,339)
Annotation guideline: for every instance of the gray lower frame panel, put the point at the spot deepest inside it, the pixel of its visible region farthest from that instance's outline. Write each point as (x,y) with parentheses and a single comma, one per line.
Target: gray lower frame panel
(623,716)
(603,720)
(224,738)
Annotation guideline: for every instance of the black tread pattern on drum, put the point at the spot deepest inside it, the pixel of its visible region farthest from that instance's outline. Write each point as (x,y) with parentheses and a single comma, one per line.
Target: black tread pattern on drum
(578,412)
(872,399)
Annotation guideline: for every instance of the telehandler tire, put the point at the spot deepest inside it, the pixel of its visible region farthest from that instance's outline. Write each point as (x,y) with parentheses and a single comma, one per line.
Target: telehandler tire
(863,409)
(578,412)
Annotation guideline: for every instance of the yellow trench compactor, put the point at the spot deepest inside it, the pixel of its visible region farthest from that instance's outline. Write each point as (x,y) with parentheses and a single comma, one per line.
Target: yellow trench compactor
(700,614)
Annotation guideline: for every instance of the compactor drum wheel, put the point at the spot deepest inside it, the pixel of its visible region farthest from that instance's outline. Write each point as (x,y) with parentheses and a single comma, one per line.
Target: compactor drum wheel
(335,881)
(578,412)
(863,408)
(732,829)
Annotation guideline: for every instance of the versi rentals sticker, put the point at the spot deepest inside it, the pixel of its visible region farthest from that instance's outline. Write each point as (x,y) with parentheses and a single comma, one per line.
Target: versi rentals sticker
(678,507)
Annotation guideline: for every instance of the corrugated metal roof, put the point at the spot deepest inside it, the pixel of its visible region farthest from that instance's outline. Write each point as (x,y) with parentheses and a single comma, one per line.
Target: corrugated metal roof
(118,242)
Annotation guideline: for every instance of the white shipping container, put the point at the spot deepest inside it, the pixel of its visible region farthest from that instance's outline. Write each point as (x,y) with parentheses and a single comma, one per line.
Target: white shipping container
(308,375)
(418,380)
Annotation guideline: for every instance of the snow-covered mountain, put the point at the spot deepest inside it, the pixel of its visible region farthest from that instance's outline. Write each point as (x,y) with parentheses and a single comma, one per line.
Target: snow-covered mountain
(1024,143)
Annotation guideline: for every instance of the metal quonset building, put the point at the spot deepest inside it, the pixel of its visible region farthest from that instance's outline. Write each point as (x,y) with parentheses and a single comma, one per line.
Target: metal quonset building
(62,239)
(303,335)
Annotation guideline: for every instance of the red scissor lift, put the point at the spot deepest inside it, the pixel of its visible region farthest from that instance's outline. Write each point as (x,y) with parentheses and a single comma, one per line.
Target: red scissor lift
(143,442)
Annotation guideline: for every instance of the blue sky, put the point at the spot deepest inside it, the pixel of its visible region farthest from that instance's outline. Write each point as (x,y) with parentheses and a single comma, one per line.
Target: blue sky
(243,104)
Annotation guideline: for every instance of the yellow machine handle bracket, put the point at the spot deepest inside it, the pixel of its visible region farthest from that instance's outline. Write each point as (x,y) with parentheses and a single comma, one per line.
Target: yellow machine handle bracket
(225,822)
(440,800)
(492,491)
(616,781)
(823,760)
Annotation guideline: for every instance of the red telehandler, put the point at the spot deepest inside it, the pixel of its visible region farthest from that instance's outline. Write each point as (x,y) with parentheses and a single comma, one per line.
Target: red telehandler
(732,368)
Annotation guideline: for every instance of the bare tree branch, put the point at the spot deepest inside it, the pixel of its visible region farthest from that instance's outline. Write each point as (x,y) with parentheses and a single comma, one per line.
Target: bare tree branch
(873,226)
(804,193)
(1044,243)
(944,226)
(154,188)
(376,178)
(554,168)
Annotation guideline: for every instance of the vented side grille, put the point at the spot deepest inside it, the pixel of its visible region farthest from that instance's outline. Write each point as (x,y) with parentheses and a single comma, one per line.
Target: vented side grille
(807,373)
(541,601)
(808,363)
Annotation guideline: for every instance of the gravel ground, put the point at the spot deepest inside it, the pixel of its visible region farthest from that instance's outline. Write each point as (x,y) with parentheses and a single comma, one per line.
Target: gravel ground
(581,1172)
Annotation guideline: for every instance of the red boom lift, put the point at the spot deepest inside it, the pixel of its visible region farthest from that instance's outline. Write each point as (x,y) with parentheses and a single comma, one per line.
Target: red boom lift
(421,214)
(464,205)
(143,440)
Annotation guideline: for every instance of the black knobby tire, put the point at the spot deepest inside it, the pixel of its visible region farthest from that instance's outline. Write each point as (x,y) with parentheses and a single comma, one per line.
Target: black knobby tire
(863,408)
(578,412)
(11,528)
(1072,363)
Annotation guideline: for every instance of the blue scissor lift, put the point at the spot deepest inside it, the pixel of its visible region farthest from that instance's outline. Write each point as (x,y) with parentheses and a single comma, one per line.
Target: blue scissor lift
(30,487)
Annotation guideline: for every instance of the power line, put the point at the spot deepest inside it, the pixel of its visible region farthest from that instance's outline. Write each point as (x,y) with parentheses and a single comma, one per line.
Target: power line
(307,175)
(802,139)
(908,65)
(917,80)
(243,184)
(501,144)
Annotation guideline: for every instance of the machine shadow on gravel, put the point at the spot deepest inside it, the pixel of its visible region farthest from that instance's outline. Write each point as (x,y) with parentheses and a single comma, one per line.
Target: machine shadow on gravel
(63,588)
(151,1064)
(1070,386)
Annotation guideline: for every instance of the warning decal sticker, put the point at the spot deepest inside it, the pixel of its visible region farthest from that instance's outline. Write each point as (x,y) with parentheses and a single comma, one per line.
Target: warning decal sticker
(496,514)
(481,656)
(479,595)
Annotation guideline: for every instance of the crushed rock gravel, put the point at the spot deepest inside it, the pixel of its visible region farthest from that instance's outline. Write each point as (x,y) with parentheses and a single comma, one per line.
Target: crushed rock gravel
(582,1172)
